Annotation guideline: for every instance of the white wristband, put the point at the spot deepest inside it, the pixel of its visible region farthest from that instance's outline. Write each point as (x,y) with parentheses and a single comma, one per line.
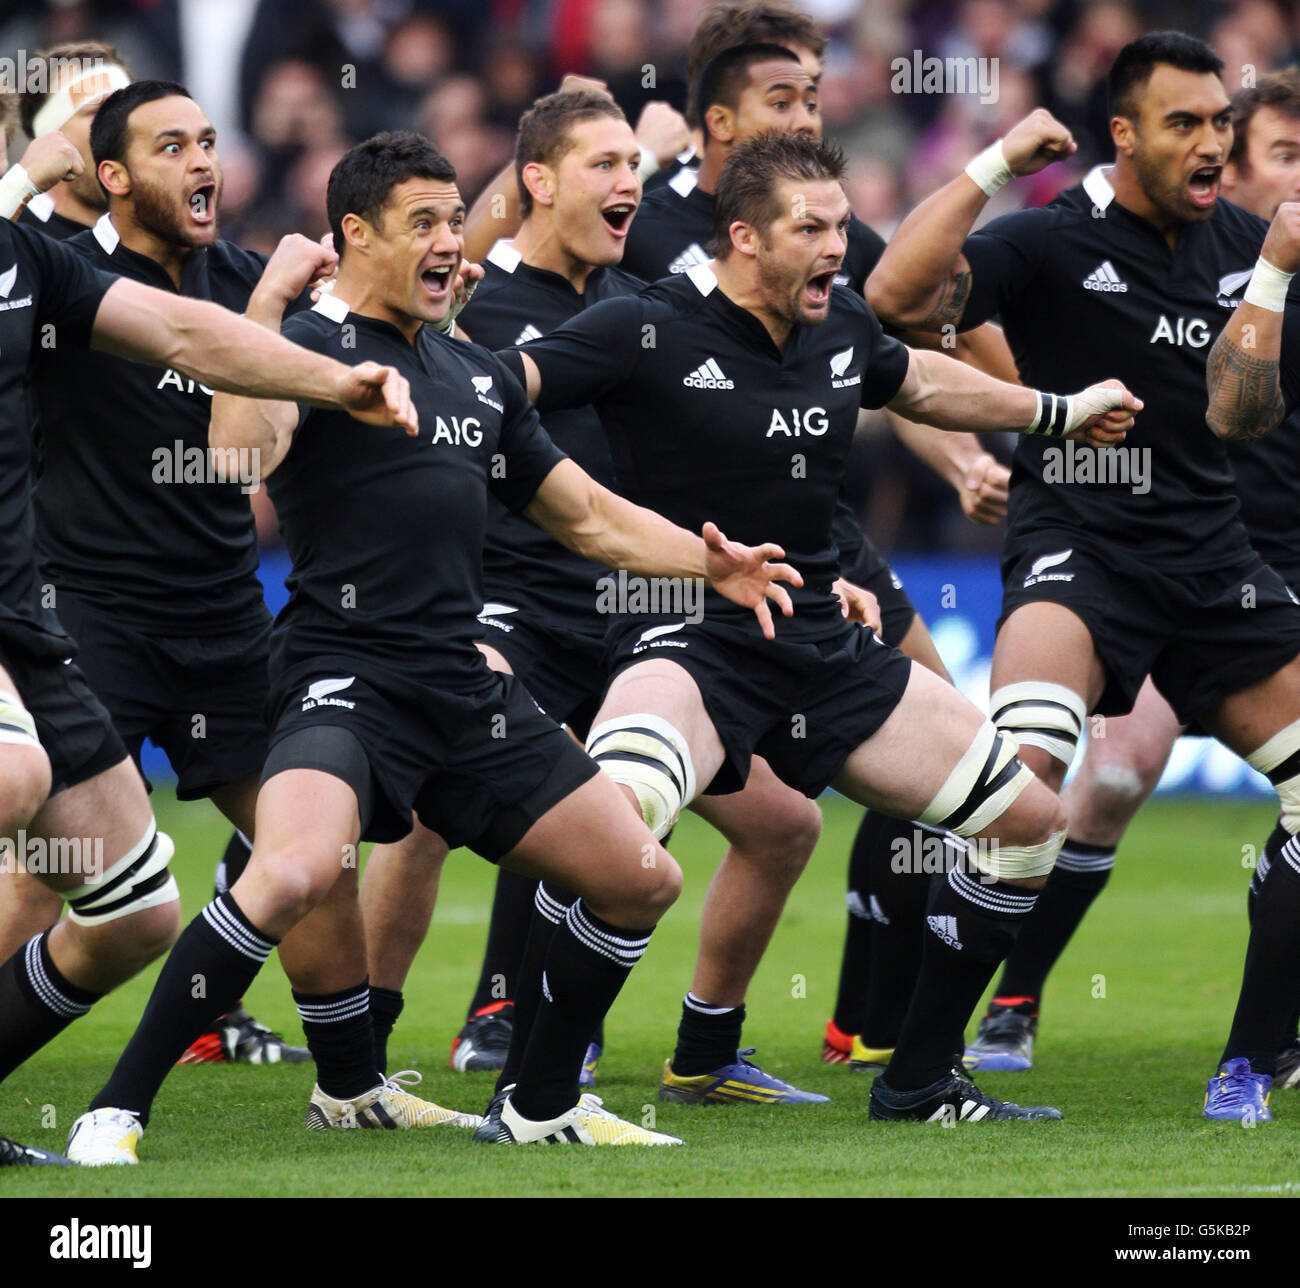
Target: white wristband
(1268,287)
(648,165)
(16,189)
(989,170)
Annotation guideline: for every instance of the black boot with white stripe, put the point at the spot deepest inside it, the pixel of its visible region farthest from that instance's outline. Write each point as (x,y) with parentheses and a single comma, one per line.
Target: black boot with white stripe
(951,1100)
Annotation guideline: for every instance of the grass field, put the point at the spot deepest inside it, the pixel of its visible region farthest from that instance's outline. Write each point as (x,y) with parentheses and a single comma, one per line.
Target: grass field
(1128,1068)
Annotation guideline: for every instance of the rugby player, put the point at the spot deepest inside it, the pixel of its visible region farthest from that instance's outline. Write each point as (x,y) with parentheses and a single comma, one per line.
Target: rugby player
(65,775)
(826,702)
(1120,770)
(381,703)
(1108,582)
(58,118)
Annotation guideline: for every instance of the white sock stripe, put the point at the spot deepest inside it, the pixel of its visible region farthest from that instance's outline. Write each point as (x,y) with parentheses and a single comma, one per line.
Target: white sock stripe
(990,900)
(613,940)
(333,1012)
(625,952)
(45,987)
(238,936)
(552,909)
(693,1003)
(1073,861)
(1262,865)
(1291,853)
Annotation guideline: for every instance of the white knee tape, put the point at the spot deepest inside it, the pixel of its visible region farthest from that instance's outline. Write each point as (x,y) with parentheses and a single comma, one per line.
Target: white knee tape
(1015,862)
(16,722)
(1038,714)
(644,752)
(136,881)
(983,784)
(1279,759)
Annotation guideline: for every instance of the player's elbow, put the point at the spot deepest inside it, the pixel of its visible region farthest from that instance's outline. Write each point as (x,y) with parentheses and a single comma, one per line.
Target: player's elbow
(888,300)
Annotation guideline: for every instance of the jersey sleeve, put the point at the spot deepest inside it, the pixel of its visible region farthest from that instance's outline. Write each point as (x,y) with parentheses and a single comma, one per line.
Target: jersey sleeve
(590,354)
(529,452)
(886,368)
(305,331)
(1003,258)
(69,289)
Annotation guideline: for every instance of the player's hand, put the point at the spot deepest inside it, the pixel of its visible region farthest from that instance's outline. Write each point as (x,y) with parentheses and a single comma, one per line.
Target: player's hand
(984,489)
(1282,245)
(744,575)
(1035,142)
(662,130)
(858,605)
(1102,414)
(468,276)
(51,159)
(324,284)
(378,395)
(298,262)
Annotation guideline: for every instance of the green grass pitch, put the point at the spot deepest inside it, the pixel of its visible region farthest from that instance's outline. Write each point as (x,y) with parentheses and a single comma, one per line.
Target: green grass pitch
(1134,1019)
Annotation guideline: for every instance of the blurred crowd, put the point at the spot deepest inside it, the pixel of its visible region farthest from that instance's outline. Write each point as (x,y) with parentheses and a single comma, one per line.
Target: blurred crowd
(290,84)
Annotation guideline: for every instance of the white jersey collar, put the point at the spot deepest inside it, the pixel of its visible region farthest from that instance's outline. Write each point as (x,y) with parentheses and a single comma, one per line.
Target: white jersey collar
(1098,188)
(106,234)
(703,277)
(331,306)
(504,256)
(684,181)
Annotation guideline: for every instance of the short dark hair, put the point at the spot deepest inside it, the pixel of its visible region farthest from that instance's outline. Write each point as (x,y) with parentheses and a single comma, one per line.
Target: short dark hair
(724,78)
(88,51)
(365,176)
(1134,64)
(747,187)
(756,22)
(109,130)
(1278,90)
(544,130)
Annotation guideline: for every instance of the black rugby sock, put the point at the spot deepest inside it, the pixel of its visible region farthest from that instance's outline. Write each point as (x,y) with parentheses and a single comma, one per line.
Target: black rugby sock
(587,964)
(36,1002)
(971,926)
(231,865)
(207,971)
(1080,875)
(385,1006)
(850,1000)
(341,1039)
(900,890)
(708,1037)
(512,914)
(550,903)
(1270,982)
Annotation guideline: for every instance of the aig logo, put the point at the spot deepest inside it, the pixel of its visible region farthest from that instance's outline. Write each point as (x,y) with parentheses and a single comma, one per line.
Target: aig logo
(813,421)
(1191,331)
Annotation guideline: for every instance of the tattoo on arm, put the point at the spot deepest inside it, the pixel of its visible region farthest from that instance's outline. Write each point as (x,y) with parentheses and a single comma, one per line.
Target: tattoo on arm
(1245,398)
(950,303)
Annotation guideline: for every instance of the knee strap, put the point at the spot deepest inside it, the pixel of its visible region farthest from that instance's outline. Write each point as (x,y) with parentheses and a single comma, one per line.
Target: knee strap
(1039,714)
(138,880)
(644,752)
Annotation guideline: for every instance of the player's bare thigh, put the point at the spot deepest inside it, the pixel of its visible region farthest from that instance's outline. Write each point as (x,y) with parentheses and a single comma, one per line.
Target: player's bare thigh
(918,644)
(1247,719)
(664,689)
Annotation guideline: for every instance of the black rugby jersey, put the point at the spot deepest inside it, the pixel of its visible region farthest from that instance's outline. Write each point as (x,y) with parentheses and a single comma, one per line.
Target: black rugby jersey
(708,420)
(669,234)
(130,514)
(1086,290)
(48,294)
(1268,484)
(386,531)
(523,565)
(40,216)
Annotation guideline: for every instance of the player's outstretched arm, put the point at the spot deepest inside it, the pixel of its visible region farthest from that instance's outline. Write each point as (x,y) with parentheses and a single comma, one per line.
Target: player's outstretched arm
(923,280)
(609,529)
(234,354)
(945,393)
(1243,371)
(980,480)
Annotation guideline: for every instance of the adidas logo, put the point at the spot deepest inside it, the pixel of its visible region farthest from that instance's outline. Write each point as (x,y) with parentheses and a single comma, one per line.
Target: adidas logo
(530,332)
(318,692)
(946,929)
(971,1110)
(1038,570)
(1104,278)
(708,375)
(694,254)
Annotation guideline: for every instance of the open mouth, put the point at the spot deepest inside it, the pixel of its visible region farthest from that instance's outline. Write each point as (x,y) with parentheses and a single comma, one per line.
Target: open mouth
(818,288)
(203,205)
(1204,185)
(617,218)
(439,279)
